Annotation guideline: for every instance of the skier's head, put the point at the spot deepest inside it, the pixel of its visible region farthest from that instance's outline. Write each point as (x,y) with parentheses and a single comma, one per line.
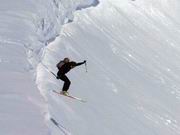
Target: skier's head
(66,60)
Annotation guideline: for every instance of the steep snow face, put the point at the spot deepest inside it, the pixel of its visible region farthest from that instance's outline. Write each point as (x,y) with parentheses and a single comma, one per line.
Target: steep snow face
(132,84)
(26,27)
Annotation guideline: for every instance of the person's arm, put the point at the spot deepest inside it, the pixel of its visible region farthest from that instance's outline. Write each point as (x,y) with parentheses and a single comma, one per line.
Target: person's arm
(74,64)
(80,63)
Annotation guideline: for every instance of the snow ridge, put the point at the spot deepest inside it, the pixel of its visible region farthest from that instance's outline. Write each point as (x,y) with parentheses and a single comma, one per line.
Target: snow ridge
(48,23)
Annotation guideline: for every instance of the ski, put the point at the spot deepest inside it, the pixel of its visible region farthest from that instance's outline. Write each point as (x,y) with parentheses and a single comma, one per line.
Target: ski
(69,96)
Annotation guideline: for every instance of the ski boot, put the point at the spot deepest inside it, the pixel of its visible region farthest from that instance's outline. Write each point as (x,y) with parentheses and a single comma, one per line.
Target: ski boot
(64,93)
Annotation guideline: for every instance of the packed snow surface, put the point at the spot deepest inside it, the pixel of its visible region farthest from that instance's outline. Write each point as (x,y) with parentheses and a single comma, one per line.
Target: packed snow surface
(132,85)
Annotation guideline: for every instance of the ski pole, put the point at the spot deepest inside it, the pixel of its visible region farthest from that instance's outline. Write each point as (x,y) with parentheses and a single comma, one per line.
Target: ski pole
(48,70)
(86,67)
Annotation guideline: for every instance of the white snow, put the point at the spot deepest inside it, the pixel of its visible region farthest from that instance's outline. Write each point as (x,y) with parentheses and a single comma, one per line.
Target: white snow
(132,52)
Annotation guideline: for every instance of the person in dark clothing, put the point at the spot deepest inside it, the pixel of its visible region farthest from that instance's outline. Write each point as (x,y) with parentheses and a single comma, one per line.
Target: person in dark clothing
(64,67)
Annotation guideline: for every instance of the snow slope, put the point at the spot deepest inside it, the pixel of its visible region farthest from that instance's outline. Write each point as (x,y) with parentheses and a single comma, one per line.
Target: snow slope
(26,27)
(132,84)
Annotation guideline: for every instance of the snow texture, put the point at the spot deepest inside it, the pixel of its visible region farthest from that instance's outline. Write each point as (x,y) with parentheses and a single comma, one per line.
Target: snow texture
(132,51)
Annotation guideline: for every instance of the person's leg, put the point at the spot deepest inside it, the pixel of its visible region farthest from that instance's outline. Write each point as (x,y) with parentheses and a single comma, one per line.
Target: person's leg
(67,82)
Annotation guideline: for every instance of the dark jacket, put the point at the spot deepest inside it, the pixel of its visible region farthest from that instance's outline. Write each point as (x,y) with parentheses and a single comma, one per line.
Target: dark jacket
(67,67)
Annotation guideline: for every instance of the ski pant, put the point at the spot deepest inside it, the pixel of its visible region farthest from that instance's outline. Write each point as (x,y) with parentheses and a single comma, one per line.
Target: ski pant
(67,82)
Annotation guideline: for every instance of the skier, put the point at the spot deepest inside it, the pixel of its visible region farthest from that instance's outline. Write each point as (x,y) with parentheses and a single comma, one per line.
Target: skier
(65,66)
